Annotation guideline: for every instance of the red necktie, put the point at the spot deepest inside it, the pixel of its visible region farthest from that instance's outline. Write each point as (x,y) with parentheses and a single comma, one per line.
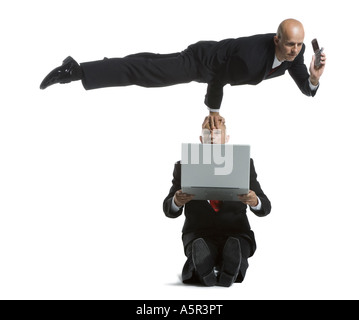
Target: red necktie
(273,70)
(216,204)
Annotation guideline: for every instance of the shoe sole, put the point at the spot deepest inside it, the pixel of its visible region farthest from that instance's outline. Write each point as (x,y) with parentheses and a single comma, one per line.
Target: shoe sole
(232,258)
(203,262)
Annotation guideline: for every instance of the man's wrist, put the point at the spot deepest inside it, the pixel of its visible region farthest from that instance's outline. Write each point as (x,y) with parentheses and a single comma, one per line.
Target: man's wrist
(314,81)
(258,206)
(174,205)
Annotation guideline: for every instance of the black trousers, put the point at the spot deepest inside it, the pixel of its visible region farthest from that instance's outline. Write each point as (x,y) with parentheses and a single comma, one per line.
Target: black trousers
(143,69)
(199,62)
(215,245)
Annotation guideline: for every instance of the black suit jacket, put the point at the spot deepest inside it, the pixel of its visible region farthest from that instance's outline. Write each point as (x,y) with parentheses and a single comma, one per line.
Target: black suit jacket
(246,60)
(201,220)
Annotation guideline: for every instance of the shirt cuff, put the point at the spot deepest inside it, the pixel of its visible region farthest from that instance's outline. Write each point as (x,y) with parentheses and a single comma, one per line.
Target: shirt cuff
(212,110)
(258,206)
(313,88)
(174,207)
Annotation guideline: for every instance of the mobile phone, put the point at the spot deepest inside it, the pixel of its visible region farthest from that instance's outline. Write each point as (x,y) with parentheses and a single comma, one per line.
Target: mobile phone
(317,52)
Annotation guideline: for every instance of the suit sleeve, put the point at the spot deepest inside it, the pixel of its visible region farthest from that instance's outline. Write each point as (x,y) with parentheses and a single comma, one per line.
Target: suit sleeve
(298,71)
(214,96)
(176,185)
(256,187)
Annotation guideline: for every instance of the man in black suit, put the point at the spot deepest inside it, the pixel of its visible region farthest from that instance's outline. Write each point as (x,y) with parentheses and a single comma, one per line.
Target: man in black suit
(246,60)
(217,237)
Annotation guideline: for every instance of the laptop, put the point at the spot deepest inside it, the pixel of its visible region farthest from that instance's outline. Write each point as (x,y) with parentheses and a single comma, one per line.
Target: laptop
(215,171)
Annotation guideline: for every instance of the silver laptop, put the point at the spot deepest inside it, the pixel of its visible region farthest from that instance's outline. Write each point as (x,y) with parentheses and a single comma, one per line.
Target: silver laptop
(215,171)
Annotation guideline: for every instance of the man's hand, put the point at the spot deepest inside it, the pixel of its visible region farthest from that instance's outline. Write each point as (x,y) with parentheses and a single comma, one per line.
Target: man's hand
(250,198)
(214,120)
(182,198)
(316,72)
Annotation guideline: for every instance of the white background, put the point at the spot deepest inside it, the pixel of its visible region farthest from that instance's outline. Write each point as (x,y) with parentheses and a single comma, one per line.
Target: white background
(83,173)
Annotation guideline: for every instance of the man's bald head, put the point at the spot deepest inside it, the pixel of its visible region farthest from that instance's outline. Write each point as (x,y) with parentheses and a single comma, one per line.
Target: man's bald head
(289,27)
(289,40)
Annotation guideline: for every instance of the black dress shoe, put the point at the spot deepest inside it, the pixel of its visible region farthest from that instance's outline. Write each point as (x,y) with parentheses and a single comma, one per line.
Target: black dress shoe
(232,258)
(69,71)
(203,262)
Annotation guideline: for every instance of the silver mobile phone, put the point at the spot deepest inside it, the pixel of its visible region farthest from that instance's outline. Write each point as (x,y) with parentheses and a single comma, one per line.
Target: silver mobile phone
(317,52)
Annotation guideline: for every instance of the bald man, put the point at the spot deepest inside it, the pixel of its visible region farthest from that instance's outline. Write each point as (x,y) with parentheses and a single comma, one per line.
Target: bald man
(246,60)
